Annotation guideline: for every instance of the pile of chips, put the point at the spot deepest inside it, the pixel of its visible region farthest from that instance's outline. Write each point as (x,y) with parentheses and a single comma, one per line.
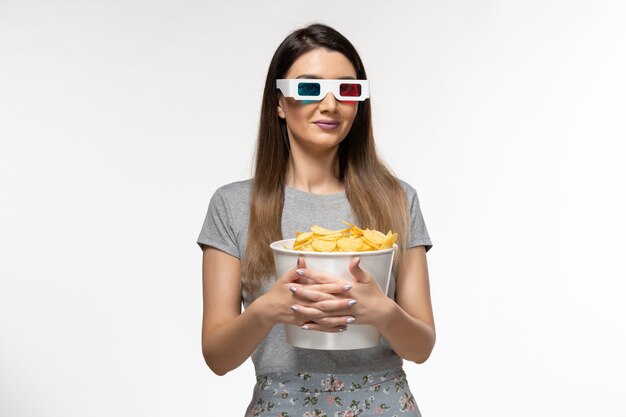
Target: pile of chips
(351,239)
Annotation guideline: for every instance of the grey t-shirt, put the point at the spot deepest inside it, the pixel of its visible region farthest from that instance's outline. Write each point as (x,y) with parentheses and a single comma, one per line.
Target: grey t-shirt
(225,228)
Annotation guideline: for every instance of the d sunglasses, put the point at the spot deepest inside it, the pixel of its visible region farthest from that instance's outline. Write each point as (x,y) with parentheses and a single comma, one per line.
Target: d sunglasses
(316,89)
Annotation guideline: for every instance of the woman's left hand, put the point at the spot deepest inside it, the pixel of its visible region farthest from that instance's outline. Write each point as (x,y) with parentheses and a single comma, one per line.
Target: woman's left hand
(365,302)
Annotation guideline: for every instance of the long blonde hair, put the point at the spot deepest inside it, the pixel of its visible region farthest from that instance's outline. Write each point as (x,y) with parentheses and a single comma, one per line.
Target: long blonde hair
(374,193)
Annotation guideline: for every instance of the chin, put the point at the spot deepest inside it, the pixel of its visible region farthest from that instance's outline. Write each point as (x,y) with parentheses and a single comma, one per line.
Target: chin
(321,144)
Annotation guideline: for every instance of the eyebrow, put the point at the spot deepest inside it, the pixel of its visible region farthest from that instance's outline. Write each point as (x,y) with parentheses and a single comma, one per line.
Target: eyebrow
(315,77)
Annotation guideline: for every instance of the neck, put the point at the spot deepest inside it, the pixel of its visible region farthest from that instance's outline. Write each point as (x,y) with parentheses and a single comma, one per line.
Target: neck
(313,172)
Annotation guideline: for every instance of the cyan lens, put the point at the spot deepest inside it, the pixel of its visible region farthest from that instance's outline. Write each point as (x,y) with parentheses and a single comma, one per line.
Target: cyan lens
(309,89)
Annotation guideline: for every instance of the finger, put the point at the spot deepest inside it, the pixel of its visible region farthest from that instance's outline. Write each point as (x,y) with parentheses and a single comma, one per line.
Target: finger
(305,313)
(290,276)
(307,294)
(315,319)
(305,281)
(301,264)
(315,326)
(335,288)
(316,276)
(333,321)
(334,307)
(320,292)
(356,271)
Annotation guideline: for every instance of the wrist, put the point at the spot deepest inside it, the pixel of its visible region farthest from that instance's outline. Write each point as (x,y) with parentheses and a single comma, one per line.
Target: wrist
(259,309)
(386,313)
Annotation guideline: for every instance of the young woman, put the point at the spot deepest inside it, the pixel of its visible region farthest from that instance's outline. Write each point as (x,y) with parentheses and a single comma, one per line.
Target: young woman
(316,163)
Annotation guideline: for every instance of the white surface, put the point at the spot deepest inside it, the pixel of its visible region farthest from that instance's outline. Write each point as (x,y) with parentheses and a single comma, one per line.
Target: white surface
(119,119)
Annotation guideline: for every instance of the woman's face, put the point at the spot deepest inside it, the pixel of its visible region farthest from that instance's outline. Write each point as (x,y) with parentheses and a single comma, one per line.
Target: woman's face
(301,117)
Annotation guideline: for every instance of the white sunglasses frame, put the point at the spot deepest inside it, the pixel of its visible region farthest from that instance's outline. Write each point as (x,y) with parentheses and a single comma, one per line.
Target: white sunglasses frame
(289,88)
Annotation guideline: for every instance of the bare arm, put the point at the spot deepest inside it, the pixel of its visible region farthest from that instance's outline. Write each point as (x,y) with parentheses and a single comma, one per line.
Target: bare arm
(229,336)
(408,325)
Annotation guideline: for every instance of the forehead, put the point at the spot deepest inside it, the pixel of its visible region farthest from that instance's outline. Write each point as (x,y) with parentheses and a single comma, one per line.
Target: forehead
(322,63)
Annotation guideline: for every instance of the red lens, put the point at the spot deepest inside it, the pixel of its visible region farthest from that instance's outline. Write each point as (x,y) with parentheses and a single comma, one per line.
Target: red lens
(349,90)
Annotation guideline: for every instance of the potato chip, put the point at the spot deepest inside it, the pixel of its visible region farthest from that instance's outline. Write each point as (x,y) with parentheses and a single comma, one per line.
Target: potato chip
(323,245)
(346,244)
(374,237)
(318,230)
(391,239)
(332,237)
(354,229)
(302,245)
(351,239)
(303,237)
(366,246)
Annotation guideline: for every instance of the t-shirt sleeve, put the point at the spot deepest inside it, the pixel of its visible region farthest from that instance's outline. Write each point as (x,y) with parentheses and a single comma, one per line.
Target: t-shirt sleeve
(419,234)
(217,230)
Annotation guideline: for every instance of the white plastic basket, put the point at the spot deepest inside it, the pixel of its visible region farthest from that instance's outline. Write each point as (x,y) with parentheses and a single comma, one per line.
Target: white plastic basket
(358,336)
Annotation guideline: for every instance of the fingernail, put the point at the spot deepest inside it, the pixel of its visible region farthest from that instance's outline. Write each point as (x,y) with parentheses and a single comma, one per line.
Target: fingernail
(351,303)
(300,272)
(292,289)
(350,320)
(358,262)
(342,329)
(294,308)
(305,327)
(347,287)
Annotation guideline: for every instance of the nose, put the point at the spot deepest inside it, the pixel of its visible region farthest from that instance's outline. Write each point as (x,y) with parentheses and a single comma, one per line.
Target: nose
(329,103)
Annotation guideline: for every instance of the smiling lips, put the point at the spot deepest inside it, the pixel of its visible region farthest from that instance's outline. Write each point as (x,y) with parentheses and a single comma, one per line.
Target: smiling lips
(327,124)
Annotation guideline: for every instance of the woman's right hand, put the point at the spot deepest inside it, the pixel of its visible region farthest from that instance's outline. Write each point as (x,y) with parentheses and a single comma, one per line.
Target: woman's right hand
(278,301)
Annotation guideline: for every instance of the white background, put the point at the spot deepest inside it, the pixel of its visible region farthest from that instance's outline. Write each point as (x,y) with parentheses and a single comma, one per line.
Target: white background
(118,120)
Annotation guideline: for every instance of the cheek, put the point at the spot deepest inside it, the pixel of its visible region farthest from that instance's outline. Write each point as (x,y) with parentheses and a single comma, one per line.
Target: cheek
(351,109)
(298,119)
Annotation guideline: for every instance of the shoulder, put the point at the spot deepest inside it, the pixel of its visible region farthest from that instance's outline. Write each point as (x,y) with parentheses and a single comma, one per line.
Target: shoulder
(412,198)
(234,192)
(408,189)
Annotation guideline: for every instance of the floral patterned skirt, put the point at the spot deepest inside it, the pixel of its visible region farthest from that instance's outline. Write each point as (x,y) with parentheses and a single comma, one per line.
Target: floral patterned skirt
(303,394)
